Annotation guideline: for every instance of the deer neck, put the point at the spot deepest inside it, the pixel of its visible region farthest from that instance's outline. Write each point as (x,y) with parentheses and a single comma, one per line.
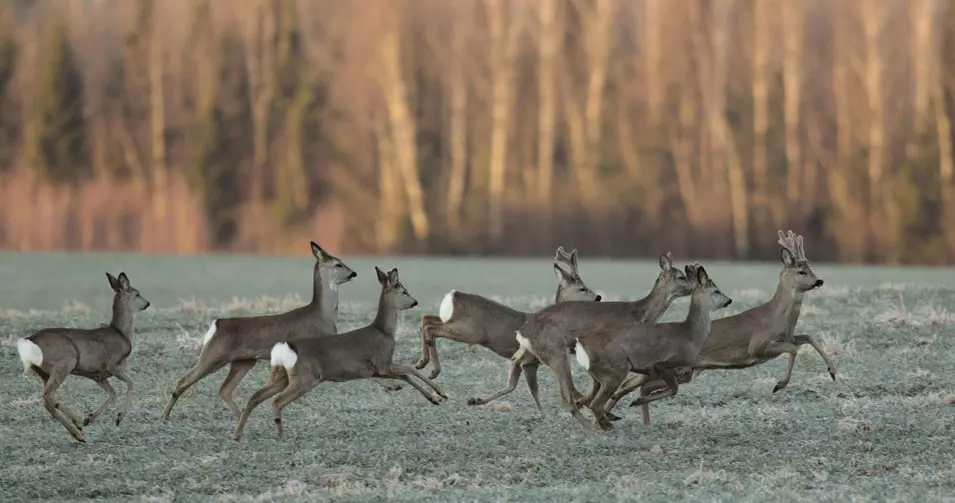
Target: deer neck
(784,304)
(386,319)
(122,318)
(656,303)
(699,320)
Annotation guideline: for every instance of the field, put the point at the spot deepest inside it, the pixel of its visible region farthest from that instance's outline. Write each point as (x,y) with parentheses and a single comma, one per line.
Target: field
(883,431)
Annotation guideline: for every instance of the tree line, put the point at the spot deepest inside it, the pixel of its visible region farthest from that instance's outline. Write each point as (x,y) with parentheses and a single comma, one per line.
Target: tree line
(619,127)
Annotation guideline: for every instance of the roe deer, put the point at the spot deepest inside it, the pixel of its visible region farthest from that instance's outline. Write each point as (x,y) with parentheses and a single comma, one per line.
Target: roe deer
(240,342)
(473,319)
(97,354)
(301,364)
(756,335)
(610,353)
(549,334)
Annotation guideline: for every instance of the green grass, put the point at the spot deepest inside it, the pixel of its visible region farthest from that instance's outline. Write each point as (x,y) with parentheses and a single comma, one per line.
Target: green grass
(882,432)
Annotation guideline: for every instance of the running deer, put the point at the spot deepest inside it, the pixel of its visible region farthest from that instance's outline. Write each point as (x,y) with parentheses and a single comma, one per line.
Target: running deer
(549,334)
(240,342)
(97,354)
(473,319)
(657,349)
(754,336)
(301,364)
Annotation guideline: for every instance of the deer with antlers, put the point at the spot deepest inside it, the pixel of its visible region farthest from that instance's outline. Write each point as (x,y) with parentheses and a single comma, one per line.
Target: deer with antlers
(754,336)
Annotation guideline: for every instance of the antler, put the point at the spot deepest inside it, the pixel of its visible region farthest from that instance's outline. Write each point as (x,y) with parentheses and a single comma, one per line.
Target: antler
(792,242)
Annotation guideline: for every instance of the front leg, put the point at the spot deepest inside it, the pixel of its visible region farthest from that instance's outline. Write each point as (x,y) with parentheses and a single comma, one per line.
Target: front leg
(121,374)
(408,369)
(799,340)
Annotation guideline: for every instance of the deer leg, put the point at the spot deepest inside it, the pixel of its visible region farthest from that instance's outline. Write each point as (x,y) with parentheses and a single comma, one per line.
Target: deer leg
(389,386)
(111,396)
(49,402)
(202,369)
(530,377)
(431,331)
(514,370)
(421,389)
(776,348)
(648,389)
(292,392)
(672,387)
(278,380)
(626,387)
(560,366)
(427,340)
(799,340)
(120,374)
(607,387)
(77,420)
(237,371)
(407,369)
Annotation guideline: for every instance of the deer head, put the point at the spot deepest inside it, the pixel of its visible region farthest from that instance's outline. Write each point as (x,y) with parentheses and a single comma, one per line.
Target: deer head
(393,292)
(570,286)
(710,295)
(330,268)
(796,275)
(672,280)
(126,296)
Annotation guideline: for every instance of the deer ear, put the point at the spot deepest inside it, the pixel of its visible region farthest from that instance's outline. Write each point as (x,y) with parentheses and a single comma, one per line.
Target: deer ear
(123,281)
(573,259)
(318,252)
(666,261)
(786,257)
(701,277)
(382,277)
(393,276)
(113,282)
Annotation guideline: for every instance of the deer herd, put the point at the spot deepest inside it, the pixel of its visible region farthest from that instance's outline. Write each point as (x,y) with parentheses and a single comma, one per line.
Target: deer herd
(619,344)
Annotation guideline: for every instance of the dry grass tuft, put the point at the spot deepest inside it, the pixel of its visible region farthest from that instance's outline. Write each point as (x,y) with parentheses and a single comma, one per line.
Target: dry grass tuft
(851,425)
(500,407)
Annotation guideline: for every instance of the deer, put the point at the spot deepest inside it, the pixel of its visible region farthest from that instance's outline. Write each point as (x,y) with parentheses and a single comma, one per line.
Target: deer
(754,336)
(548,335)
(474,319)
(301,364)
(241,342)
(613,351)
(96,354)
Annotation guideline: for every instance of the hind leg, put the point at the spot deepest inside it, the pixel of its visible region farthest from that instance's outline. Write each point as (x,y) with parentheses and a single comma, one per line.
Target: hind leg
(203,368)
(560,366)
(530,377)
(292,392)
(278,381)
(49,402)
(237,371)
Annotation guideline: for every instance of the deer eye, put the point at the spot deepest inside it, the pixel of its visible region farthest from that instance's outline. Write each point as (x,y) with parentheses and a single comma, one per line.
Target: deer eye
(802,273)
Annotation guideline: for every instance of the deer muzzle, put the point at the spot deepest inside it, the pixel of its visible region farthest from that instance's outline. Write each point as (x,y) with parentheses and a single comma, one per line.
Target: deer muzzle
(597,298)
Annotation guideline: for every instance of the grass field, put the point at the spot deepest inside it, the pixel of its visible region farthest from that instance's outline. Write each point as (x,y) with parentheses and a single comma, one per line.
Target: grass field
(882,432)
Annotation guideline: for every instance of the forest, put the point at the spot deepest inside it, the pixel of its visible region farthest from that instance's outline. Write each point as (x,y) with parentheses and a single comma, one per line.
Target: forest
(623,128)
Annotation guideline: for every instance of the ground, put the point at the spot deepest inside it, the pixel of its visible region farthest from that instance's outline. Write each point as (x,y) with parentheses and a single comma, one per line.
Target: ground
(882,431)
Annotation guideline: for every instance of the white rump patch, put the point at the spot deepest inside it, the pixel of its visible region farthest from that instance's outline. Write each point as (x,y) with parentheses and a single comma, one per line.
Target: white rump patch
(582,358)
(447,307)
(210,333)
(523,341)
(30,354)
(283,356)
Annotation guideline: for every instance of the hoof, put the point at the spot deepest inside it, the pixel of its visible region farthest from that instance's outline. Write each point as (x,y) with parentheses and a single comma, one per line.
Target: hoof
(88,420)
(475,401)
(119,418)
(613,417)
(434,374)
(396,387)
(778,387)
(420,364)
(832,373)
